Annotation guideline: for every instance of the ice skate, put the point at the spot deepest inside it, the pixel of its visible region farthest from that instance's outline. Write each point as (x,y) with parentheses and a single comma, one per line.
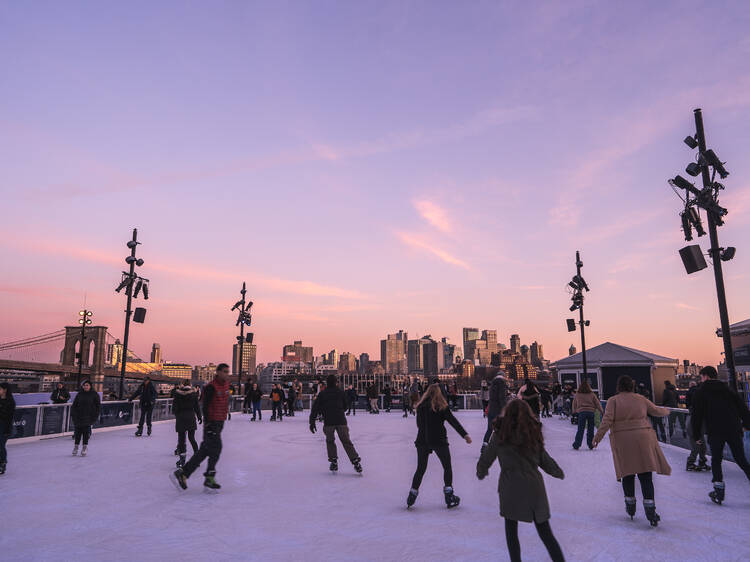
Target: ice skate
(181,461)
(179,479)
(691,466)
(75,450)
(412,497)
(630,507)
(650,509)
(703,465)
(717,496)
(3,465)
(357,466)
(209,483)
(139,432)
(148,431)
(84,450)
(176,452)
(334,466)
(451,499)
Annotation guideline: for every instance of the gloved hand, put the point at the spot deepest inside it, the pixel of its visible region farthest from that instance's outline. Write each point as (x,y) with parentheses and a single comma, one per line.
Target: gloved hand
(481,476)
(313,429)
(200,420)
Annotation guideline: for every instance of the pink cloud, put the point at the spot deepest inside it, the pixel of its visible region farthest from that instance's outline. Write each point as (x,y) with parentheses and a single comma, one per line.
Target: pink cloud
(434,214)
(431,248)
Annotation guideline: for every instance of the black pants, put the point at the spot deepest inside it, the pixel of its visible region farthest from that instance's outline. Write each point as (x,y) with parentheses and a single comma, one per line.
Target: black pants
(210,447)
(696,449)
(490,428)
(276,410)
(290,406)
(423,453)
(717,442)
(82,431)
(647,485)
(182,446)
(145,413)
(545,533)
(352,408)
(658,425)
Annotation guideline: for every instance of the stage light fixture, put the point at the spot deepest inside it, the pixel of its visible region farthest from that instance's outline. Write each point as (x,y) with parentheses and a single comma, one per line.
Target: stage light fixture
(691,142)
(715,163)
(686,227)
(124,283)
(129,260)
(581,282)
(145,291)
(131,244)
(727,254)
(139,262)
(574,285)
(695,219)
(137,288)
(236,306)
(682,183)
(693,169)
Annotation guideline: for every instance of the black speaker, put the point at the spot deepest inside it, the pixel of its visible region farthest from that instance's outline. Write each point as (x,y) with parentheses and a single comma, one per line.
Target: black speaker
(249,337)
(692,258)
(139,315)
(571,325)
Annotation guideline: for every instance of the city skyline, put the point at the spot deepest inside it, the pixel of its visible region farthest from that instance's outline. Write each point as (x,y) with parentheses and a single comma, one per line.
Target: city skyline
(366,189)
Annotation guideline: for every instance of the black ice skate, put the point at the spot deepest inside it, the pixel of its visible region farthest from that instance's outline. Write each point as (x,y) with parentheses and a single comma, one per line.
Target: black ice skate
(357,466)
(703,465)
(412,497)
(717,496)
(650,509)
(209,483)
(176,452)
(630,507)
(179,479)
(139,432)
(2,467)
(691,466)
(148,431)
(451,499)
(181,461)
(334,466)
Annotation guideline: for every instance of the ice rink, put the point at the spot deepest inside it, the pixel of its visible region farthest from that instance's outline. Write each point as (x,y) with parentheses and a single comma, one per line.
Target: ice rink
(279,501)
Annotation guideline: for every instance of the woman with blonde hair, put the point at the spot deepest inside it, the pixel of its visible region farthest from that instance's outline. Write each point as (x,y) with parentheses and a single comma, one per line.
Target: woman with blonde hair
(635,449)
(432,413)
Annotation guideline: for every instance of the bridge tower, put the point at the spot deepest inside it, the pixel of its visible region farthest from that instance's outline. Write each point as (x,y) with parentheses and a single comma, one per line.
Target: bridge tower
(96,334)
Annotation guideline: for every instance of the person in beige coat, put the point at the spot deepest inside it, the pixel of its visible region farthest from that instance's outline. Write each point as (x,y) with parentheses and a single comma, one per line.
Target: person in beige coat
(635,449)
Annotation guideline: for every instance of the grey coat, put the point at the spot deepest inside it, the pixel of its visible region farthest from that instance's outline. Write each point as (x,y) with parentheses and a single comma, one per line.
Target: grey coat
(523,496)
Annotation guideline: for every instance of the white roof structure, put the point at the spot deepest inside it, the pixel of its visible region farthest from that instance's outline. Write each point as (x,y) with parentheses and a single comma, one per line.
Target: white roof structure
(738,329)
(613,354)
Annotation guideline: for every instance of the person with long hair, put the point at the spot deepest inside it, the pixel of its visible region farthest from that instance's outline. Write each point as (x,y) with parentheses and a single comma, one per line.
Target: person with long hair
(432,413)
(635,449)
(518,445)
(530,393)
(7,410)
(585,404)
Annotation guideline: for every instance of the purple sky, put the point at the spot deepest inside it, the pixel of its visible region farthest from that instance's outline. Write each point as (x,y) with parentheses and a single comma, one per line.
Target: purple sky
(368,167)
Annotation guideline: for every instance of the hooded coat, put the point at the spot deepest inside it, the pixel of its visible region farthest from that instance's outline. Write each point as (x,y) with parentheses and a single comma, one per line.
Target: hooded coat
(498,390)
(635,448)
(186,409)
(85,409)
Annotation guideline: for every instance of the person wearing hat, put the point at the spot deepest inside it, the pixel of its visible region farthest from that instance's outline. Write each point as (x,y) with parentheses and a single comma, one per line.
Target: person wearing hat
(331,403)
(84,413)
(147,392)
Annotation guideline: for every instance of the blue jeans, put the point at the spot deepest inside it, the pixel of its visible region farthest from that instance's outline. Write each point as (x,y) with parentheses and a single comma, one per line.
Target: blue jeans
(256,408)
(585,418)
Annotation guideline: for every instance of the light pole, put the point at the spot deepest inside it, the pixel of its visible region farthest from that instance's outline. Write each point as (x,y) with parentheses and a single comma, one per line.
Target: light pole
(707,164)
(244,318)
(84,320)
(127,282)
(578,284)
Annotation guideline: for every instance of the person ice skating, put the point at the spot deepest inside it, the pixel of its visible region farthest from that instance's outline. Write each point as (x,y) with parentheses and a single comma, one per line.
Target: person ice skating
(656,422)
(291,398)
(405,400)
(498,398)
(351,396)
(331,404)
(246,401)
(414,392)
(585,404)
(372,396)
(697,442)
(255,397)
(277,399)
(635,449)
(215,408)
(387,398)
(518,445)
(7,410)
(186,409)
(147,392)
(432,413)
(670,399)
(84,412)
(484,395)
(546,399)
(530,393)
(60,395)
(724,414)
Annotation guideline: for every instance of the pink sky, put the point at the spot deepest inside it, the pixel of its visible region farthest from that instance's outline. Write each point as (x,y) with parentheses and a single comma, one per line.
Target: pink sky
(367,168)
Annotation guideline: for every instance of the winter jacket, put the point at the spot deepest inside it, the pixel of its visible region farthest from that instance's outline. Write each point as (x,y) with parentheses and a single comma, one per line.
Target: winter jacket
(351,396)
(372,391)
(498,389)
(431,429)
(7,410)
(722,411)
(690,396)
(387,392)
(185,408)
(332,403)
(254,395)
(531,395)
(523,496)
(277,395)
(291,394)
(632,437)
(216,400)
(586,402)
(85,409)
(60,396)
(147,394)
(669,397)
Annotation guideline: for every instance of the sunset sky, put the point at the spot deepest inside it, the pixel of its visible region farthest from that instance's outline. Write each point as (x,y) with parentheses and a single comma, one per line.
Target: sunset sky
(367,167)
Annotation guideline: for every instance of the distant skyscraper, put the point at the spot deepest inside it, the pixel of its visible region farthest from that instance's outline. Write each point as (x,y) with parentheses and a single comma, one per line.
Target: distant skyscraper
(347,363)
(490,336)
(156,353)
(434,358)
(515,343)
(249,351)
(297,352)
(332,358)
(469,335)
(572,350)
(415,354)
(393,353)
(364,363)
(537,354)
(449,352)
(526,353)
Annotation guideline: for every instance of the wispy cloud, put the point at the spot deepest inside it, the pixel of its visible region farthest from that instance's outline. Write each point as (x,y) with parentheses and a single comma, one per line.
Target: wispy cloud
(429,247)
(433,214)
(685,306)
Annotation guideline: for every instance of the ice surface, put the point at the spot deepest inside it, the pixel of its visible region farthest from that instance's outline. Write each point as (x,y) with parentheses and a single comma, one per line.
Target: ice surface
(279,501)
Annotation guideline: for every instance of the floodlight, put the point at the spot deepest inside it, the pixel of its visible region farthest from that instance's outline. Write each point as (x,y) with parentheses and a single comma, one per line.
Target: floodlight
(249,306)
(693,169)
(129,260)
(686,226)
(145,291)
(727,253)
(715,163)
(139,262)
(578,279)
(236,306)
(132,244)
(138,288)
(125,282)
(574,285)
(682,183)
(81,312)
(574,307)
(691,142)
(88,313)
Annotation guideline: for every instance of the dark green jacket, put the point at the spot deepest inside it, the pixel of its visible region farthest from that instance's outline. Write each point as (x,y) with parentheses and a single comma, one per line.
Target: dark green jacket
(521,487)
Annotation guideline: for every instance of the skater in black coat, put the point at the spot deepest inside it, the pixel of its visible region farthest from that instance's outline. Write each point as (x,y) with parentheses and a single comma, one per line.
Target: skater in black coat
(60,395)
(147,392)
(186,409)
(351,396)
(724,414)
(498,398)
(432,413)
(255,396)
(84,413)
(7,410)
(331,403)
